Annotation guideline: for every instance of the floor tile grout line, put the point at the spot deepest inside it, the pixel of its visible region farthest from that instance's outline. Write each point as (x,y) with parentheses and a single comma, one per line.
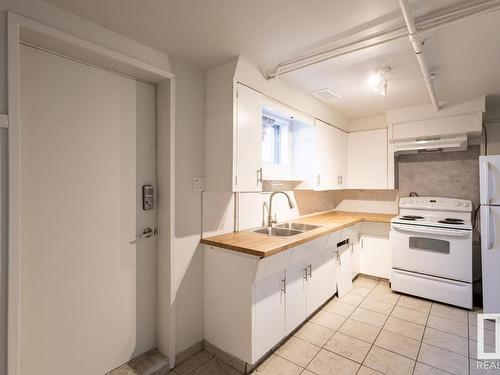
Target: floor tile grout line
(373,344)
(337,330)
(421,341)
(323,346)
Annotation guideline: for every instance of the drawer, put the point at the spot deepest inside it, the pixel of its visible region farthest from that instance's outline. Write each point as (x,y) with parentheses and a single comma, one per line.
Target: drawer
(443,290)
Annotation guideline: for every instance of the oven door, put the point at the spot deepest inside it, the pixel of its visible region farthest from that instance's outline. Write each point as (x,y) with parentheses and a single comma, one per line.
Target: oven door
(441,252)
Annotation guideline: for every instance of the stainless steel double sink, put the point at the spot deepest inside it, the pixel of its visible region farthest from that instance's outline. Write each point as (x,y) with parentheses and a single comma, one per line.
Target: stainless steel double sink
(286,229)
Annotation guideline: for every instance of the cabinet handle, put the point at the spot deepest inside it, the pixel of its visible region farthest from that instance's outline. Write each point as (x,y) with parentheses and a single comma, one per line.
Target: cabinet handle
(310,271)
(305,273)
(259,176)
(339,180)
(318,179)
(283,286)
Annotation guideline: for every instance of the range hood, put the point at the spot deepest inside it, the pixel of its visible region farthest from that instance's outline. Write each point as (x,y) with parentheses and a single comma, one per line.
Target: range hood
(450,143)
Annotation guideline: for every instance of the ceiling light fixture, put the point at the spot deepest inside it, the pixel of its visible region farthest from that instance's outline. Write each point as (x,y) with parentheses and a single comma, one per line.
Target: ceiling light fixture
(378,80)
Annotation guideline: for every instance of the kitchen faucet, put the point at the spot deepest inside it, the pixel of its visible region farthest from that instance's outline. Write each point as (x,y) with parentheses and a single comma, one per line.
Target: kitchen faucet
(270,220)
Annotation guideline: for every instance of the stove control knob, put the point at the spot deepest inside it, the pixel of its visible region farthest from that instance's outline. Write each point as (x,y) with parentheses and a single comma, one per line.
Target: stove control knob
(403,201)
(458,203)
(410,201)
(466,204)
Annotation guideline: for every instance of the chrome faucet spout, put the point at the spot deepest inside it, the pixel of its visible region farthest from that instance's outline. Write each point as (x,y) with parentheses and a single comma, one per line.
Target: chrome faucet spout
(270,219)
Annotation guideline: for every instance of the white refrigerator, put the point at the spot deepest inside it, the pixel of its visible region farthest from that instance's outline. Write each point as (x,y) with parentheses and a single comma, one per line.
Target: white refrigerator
(489,170)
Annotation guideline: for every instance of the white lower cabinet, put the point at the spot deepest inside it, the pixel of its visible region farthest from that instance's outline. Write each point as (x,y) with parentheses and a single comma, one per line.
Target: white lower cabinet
(269,312)
(251,304)
(344,270)
(355,256)
(375,250)
(296,285)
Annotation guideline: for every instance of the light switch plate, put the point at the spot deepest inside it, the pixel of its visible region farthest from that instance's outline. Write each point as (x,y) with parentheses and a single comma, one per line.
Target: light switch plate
(198,184)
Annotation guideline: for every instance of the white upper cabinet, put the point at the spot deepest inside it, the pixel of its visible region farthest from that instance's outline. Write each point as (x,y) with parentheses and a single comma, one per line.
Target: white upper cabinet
(325,143)
(367,159)
(330,163)
(233,134)
(248,162)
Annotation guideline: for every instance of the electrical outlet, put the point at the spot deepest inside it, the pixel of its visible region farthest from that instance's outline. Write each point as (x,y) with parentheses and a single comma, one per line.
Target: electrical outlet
(198,184)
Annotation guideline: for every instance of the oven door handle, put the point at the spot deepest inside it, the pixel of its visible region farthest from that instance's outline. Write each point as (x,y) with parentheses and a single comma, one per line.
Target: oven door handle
(430,230)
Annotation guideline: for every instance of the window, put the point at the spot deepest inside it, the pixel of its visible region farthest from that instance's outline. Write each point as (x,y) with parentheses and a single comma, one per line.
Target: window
(275,136)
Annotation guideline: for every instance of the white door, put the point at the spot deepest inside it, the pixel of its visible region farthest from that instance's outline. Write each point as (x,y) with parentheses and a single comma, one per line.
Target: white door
(88,285)
(248,153)
(269,313)
(344,270)
(489,169)
(490,257)
(296,285)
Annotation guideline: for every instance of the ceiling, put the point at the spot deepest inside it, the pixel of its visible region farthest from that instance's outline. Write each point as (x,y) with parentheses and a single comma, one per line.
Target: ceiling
(464,55)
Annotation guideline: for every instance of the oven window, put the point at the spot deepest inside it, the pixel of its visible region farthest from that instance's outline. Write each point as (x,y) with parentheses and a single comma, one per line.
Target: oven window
(430,244)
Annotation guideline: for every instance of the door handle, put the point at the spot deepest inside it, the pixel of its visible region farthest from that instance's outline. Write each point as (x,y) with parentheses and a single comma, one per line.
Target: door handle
(148,232)
(259,176)
(486,174)
(490,236)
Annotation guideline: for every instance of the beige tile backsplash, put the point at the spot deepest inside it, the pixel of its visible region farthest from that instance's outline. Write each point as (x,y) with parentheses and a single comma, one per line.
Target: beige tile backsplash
(442,174)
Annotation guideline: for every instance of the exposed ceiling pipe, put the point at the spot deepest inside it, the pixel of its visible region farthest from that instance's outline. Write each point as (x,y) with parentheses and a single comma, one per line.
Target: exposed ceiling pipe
(425,23)
(418,49)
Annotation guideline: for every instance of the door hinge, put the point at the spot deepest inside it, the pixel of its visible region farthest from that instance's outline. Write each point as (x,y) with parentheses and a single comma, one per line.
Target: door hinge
(236,180)
(362,243)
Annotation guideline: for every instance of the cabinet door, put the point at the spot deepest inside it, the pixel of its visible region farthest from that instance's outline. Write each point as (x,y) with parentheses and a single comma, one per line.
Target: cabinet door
(367,159)
(321,274)
(375,255)
(269,313)
(339,172)
(344,270)
(296,285)
(325,139)
(355,257)
(248,140)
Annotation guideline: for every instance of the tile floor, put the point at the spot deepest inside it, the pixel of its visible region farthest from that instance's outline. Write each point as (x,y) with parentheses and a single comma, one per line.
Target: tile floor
(371,330)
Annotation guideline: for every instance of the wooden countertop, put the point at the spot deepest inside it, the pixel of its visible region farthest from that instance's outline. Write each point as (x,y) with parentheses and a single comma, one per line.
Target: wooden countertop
(263,245)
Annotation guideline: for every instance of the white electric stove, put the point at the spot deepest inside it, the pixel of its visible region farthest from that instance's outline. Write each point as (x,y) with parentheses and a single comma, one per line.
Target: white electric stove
(431,249)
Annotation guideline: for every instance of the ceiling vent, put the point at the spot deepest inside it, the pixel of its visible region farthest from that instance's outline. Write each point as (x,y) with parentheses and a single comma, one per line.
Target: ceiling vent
(325,95)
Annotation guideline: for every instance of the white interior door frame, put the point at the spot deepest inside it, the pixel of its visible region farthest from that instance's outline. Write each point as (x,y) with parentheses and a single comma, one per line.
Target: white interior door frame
(25,30)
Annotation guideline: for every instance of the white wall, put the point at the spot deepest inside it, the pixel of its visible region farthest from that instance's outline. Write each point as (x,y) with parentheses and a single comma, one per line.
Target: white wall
(189,155)
(368,123)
